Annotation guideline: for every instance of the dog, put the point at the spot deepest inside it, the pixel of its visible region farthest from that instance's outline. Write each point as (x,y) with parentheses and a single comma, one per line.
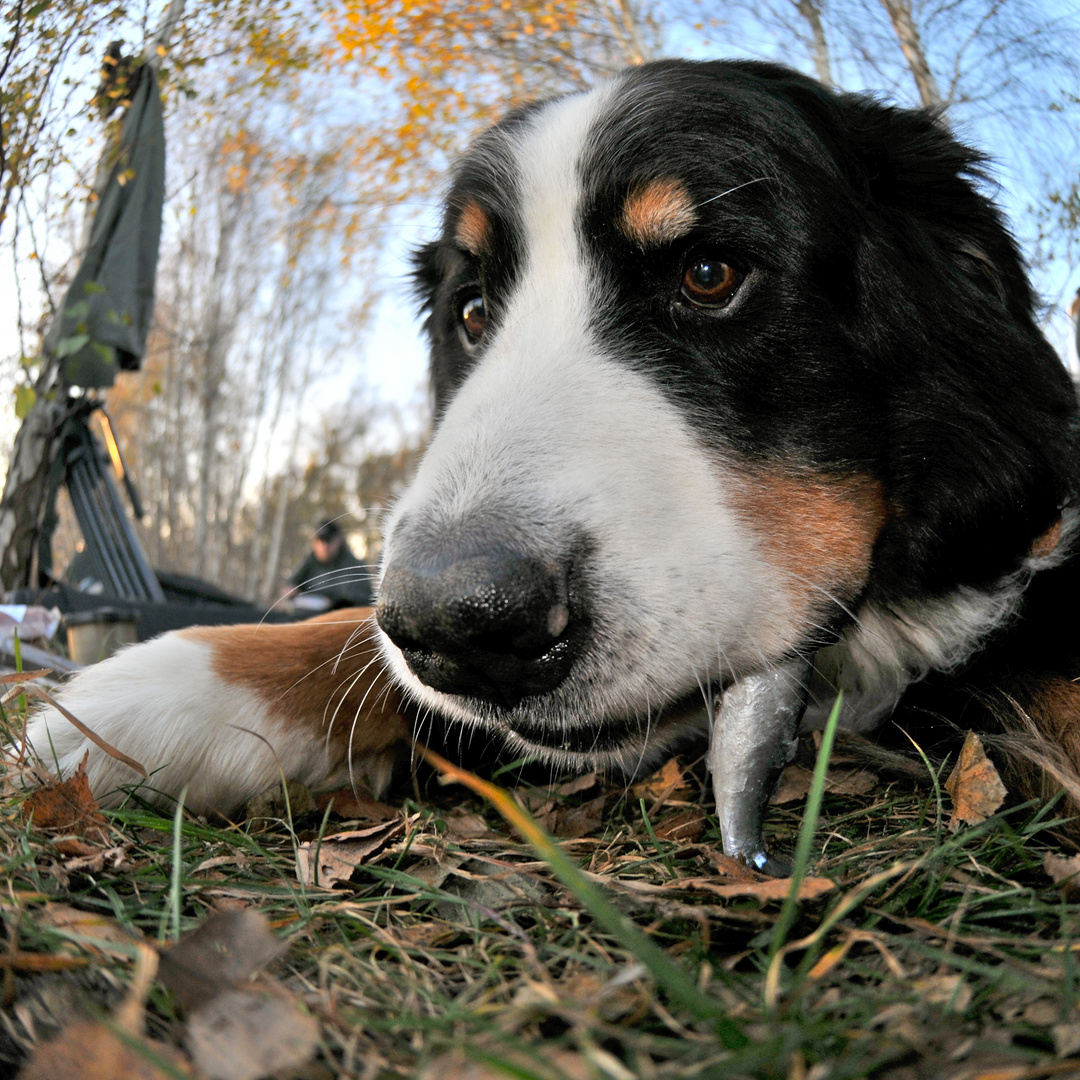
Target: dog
(740,402)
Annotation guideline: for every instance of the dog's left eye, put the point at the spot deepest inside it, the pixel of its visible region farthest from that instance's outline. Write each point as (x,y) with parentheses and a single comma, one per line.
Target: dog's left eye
(709,282)
(472,321)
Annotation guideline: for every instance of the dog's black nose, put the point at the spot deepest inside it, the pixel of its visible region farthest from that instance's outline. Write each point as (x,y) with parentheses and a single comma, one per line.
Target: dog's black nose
(493,626)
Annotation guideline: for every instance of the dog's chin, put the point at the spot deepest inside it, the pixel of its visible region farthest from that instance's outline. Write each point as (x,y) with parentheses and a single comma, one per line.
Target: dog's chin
(541,729)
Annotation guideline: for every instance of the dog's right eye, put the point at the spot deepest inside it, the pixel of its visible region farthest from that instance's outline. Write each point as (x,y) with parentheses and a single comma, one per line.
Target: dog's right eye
(472,321)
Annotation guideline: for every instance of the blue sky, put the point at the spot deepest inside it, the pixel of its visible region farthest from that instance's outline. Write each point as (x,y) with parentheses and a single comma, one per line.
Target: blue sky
(390,356)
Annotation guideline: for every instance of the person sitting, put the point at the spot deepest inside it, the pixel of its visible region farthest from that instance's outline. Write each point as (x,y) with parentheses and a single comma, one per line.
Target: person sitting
(332,571)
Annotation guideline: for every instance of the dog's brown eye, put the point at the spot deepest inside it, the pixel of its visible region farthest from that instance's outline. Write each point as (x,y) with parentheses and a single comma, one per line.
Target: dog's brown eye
(472,321)
(709,282)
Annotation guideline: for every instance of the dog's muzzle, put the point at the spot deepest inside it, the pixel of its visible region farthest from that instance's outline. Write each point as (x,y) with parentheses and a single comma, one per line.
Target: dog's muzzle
(495,625)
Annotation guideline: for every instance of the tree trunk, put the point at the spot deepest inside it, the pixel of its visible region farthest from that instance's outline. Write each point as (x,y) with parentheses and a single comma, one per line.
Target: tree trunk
(22,508)
(819,50)
(907,34)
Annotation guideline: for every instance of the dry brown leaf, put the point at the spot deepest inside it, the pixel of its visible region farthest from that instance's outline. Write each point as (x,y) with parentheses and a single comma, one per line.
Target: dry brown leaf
(102,932)
(91,1051)
(578,785)
(349,804)
(77,849)
(227,949)
(795,783)
(1064,870)
(667,782)
(104,1051)
(341,853)
(729,869)
(94,860)
(976,789)
(768,889)
(682,827)
(1066,1038)
(248,1034)
(588,990)
(67,806)
(574,822)
(469,826)
(950,992)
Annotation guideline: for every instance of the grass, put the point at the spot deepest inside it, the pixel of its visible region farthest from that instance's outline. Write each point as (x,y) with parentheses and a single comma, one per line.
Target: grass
(464,949)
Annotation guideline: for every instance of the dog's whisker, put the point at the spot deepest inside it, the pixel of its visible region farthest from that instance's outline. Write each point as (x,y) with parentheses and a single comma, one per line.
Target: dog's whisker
(738,187)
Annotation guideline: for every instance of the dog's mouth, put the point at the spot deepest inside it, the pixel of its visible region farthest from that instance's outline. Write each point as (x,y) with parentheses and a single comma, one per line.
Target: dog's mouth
(607,738)
(542,729)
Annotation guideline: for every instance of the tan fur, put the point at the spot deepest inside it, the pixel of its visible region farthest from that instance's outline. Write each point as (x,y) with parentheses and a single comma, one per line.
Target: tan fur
(1041,741)
(321,674)
(657,213)
(473,230)
(819,530)
(1047,543)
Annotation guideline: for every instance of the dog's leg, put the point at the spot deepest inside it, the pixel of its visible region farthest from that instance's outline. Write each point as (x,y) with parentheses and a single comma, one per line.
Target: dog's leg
(753,738)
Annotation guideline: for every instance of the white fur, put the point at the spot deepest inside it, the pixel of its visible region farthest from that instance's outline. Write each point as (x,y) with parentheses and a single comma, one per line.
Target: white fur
(885,651)
(161,704)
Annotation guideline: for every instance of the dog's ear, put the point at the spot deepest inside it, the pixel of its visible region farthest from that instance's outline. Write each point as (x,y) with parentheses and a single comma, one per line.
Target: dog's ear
(908,166)
(981,451)
(924,185)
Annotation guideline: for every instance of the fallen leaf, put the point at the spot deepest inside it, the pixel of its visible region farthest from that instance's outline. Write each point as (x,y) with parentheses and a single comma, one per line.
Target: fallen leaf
(768,889)
(95,860)
(734,869)
(24,676)
(1066,1038)
(77,849)
(682,827)
(574,822)
(469,826)
(1042,1012)
(484,885)
(92,1051)
(346,803)
(1063,871)
(67,806)
(974,784)
(611,999)
(227,949)
(667,782)
(795,783)
(950,992)
(247,1034)
(578,785)
(88,925)
(115,1049)
(341,853)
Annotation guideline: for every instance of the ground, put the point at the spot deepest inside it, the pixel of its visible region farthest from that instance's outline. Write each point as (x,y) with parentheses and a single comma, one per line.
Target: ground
(428,939)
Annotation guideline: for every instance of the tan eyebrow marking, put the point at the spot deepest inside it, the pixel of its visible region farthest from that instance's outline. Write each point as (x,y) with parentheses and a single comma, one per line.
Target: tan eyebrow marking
(657,212)
(473,230)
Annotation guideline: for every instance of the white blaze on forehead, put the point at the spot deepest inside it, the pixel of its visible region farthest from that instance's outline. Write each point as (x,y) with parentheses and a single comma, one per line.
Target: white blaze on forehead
(549,159)
(555,437)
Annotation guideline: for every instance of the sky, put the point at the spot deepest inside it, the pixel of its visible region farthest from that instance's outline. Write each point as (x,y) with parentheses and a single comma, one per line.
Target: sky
(391,357)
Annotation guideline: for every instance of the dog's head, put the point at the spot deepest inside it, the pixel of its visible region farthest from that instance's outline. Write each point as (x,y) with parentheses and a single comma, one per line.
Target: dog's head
(721,361)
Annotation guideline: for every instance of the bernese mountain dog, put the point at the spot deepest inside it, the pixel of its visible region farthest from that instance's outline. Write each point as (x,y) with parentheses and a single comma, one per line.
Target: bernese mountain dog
(741,400)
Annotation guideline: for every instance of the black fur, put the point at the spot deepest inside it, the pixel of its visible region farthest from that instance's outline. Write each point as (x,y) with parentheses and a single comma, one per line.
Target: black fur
(885,328)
